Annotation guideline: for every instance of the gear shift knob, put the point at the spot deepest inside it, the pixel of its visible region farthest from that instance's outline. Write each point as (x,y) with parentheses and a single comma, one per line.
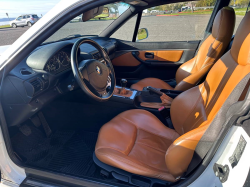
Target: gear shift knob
(123,83)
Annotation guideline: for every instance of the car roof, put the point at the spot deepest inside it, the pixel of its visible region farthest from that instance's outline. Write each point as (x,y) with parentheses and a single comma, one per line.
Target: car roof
(28,14)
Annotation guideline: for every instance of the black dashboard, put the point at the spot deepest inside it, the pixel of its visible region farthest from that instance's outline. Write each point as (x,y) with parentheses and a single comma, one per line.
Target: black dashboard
(44,75)
(59,62)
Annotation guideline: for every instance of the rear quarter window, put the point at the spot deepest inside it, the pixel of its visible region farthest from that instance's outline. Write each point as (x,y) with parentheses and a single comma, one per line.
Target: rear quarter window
(34,16)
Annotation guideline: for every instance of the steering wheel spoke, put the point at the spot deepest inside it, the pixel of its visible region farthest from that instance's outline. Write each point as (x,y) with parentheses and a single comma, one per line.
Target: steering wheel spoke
(96,78)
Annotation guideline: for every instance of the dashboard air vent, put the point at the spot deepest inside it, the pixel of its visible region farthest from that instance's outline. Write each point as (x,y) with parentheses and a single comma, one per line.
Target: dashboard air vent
(24,71)
(37,84)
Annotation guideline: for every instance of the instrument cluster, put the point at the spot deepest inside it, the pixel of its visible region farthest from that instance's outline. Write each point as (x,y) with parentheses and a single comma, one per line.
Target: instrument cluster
(59,62)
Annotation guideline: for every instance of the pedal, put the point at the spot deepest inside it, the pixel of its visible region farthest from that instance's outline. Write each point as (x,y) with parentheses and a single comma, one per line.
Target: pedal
(36,121)
(25,130)
(45,124)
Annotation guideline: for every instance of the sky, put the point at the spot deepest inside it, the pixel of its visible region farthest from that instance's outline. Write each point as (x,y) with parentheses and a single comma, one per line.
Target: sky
(16,8)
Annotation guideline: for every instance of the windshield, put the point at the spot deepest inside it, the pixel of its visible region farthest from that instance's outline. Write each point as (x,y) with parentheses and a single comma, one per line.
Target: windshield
(95,26)
(18,16)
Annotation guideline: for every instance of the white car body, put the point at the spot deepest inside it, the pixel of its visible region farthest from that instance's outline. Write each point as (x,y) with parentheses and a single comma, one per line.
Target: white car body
(13,175)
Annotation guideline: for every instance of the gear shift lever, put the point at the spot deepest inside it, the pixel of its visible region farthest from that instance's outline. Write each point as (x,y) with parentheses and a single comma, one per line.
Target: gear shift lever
(123,91)
(123,83)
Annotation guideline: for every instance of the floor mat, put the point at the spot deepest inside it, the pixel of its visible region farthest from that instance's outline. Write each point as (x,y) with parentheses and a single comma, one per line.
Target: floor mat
(68,152)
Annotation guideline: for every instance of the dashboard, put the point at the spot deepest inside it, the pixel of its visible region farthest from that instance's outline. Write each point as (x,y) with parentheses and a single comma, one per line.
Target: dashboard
(59,62)
(44,75)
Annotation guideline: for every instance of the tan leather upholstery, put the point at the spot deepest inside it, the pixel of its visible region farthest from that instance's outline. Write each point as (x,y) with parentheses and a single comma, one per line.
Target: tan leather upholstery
(136,141)
(191,72)
(125,140)
(126,59)
(170,55)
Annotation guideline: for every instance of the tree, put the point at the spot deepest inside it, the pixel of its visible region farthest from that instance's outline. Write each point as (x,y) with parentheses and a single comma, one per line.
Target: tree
(241,3)
(113,8)
(204,3)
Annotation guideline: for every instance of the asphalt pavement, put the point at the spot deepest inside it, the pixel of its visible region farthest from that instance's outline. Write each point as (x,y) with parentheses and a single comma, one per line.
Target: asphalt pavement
(160,28)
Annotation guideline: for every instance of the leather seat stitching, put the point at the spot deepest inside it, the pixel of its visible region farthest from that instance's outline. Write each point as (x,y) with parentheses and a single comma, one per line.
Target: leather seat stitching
(172,139)
(162,151)
(107,147)
(146,130)
(134,142)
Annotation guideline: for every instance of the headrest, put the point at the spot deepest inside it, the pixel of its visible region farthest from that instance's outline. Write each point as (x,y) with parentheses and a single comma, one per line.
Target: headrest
(224,22)
(240,50)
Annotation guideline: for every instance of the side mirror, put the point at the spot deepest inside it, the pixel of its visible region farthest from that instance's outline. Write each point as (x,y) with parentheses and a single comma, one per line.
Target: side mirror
(142,34)
(104,14)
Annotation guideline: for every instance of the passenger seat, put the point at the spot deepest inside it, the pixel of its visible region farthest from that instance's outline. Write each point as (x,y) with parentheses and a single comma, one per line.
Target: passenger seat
(191,72)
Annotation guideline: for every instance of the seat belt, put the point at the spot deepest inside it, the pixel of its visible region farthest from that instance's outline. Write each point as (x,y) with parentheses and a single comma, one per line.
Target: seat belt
(215,128)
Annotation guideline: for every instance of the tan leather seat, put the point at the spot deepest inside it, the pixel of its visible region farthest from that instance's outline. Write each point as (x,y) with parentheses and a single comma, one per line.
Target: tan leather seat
(191,72)
(136,141)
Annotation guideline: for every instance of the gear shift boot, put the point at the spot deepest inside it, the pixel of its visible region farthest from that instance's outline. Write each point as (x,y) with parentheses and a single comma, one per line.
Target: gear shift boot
(123,91)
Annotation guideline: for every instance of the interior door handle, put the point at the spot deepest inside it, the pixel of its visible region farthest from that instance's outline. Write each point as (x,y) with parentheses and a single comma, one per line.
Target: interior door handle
(149,55)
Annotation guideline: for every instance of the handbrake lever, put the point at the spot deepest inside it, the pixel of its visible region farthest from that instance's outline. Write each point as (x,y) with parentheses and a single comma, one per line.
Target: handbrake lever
(154,90)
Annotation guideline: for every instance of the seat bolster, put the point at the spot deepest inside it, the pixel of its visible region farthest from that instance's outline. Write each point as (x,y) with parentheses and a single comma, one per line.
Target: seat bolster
(154,82)
(180,153)
(193,79)
(185,70)
(119,160)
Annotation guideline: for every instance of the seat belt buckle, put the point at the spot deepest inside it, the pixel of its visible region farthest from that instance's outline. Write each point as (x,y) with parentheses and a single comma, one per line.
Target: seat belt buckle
(164,112)
(161,108)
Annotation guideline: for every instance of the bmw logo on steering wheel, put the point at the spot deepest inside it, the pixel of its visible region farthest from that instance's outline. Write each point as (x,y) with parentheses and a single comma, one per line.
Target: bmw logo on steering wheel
(98,70)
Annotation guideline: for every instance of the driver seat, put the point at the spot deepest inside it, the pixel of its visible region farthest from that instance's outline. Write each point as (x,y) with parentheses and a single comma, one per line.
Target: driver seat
(138,142)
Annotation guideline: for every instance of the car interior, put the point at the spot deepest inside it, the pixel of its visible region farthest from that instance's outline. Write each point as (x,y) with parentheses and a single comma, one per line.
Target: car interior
(125,112)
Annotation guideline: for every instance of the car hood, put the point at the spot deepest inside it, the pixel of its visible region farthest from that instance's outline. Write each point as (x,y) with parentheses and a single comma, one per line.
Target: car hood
(3,48)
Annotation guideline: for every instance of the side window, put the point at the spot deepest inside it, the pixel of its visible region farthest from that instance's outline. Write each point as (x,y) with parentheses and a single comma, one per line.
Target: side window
(126,31)
(24,17)
(27,16)
(185,21)
(240,8)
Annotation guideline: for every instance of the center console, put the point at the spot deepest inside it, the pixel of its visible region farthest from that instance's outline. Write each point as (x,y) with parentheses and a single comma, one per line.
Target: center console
(123,94)
(149,98)
(157,101)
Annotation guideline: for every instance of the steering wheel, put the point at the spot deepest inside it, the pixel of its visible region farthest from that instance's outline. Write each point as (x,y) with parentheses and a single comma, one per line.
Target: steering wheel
(96,78)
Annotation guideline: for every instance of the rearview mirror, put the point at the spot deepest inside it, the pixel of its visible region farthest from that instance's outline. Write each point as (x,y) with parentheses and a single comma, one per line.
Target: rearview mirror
(142,34)
(104,14)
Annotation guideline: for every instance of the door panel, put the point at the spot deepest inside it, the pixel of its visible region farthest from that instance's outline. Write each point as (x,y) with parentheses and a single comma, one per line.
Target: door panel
(135,61)
(126,60)
(169,55)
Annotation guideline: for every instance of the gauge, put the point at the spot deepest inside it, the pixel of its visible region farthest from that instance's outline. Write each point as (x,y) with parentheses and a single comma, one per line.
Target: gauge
(63,58)
(53,65)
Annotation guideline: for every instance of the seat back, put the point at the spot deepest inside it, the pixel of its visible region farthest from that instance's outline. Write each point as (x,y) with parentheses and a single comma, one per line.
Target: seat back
(198,106)
(190,73)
